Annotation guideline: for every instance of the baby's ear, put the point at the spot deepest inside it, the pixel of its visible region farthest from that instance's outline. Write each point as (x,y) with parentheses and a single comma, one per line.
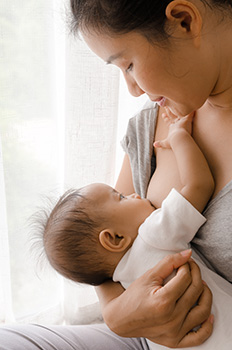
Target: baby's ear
(113,242)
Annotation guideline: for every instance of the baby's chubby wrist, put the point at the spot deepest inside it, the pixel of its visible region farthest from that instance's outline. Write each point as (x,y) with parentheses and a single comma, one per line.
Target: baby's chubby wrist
(179,131)
(178,136)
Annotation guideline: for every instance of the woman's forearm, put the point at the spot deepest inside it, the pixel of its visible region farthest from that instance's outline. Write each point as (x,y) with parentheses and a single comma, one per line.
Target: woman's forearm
(124,182)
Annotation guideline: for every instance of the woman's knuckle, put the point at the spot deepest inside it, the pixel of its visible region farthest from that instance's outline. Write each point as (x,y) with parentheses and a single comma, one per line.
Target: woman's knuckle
(203,336)
(204,313)
(197,286)
(169,259)
(186,275)
(208,332)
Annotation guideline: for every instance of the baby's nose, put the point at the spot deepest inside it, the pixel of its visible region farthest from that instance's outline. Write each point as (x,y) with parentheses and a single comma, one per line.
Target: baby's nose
(135,195)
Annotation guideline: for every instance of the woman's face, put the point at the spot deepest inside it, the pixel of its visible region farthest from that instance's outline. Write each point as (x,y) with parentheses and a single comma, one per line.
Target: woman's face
(176,76)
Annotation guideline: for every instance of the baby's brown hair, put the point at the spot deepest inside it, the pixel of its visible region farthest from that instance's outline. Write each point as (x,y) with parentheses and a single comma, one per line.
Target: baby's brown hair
(71,242)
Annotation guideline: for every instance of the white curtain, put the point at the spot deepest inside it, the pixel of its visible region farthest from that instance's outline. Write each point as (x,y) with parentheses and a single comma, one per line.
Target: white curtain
(59,128)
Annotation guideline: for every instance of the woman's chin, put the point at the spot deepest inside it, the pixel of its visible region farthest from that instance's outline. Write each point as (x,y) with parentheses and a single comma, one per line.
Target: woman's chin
(181,111)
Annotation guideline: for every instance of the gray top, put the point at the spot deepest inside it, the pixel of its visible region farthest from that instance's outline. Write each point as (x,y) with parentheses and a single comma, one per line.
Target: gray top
(138,144)
(213,241)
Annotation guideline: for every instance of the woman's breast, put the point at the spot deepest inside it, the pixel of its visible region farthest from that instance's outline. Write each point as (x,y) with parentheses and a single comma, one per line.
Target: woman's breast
(165,177)
(212,130)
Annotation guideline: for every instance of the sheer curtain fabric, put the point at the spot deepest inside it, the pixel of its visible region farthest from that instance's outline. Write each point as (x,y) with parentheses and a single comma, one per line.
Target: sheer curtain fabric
(59,129)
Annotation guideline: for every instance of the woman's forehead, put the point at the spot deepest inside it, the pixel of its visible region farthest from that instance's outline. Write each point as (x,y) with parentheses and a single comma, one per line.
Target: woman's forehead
(111,48)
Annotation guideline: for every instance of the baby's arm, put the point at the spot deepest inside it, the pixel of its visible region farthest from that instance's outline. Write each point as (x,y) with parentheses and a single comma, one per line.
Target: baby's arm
(196,178)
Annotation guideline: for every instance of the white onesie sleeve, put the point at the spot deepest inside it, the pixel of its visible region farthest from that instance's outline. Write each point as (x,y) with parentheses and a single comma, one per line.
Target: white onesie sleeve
(173,225)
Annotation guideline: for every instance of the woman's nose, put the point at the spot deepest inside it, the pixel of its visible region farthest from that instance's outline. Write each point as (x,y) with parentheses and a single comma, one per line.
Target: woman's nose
(133,87)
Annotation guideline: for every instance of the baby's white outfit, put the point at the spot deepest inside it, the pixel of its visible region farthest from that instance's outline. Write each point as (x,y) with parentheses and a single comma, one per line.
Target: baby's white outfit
(167,230)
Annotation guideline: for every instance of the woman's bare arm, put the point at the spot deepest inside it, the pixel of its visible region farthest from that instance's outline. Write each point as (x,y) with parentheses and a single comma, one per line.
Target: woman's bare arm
(124,183)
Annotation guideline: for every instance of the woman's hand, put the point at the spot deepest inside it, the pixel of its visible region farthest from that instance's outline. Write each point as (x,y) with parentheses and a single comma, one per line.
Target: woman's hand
(164,314)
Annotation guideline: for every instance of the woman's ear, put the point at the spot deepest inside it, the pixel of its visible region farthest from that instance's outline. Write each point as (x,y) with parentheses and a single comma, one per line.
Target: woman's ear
(113,242)
(185,16)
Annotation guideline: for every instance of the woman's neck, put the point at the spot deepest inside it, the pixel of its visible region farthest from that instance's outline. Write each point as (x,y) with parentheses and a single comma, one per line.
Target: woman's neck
(221,96)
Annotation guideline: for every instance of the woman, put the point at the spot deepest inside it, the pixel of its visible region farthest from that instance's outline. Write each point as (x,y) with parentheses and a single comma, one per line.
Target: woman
(179,54)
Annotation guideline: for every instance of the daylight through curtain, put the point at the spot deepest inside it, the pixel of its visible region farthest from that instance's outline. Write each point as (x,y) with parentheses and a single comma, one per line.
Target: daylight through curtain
(59,128)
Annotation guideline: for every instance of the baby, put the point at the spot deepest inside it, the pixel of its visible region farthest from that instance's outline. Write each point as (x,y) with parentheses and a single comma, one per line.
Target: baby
(90,229)
(95,233)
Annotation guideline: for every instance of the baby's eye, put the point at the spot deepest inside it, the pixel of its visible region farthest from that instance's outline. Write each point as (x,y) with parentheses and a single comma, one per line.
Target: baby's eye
(121,196)
(129,68)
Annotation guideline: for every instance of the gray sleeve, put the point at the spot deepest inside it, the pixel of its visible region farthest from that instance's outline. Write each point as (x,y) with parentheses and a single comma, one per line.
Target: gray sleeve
(213,241)
(138,144)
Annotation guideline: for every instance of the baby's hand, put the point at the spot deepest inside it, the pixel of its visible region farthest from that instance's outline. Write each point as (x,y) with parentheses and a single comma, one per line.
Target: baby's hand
(176,124)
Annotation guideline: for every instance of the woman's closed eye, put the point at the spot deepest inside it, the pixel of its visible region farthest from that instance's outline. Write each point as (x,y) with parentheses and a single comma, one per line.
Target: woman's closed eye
(121,196)
(129,68)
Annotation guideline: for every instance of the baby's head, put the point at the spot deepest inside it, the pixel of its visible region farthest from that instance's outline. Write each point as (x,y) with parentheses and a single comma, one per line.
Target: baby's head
(90,229)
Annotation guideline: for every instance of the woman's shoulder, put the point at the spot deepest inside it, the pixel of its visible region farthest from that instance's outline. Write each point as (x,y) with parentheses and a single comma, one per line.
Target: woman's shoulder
(141,128)
(146,116)
(138,144)
(141,124)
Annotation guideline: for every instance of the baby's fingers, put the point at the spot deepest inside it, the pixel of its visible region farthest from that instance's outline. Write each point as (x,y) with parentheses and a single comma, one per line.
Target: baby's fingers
(166,118)
(161,144)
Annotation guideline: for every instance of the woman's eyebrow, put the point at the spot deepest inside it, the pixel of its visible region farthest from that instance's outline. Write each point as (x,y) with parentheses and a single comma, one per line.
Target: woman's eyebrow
(114,57)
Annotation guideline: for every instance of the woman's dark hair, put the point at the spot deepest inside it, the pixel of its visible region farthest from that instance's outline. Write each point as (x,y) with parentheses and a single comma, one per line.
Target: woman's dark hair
(119,16)
(146,17)
(70,239)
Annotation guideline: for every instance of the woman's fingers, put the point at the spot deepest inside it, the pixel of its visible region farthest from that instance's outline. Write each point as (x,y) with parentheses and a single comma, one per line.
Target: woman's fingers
(164,313)
(183,315)
(178,285)
(198,300)
(184,291)
(162,298)
(200,312)
(191,339)
(199,336)
(170,263)
(194,291)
